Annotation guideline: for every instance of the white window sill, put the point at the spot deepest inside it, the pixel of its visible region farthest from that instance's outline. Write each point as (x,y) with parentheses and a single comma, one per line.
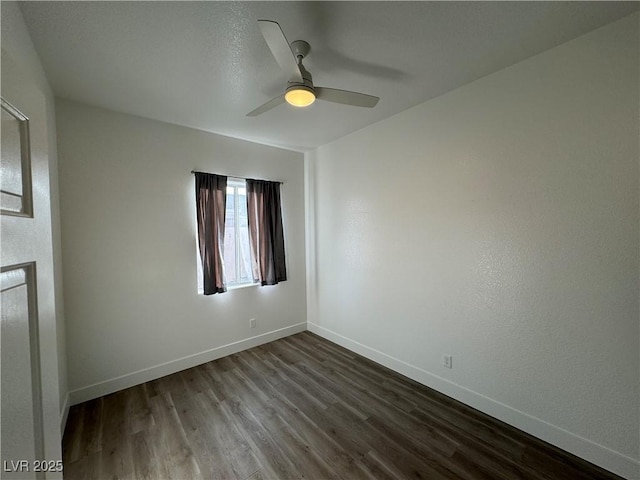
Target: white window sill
(243,285)
(233,287)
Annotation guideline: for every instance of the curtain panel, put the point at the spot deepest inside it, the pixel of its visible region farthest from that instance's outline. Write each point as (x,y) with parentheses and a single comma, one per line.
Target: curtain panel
(211,198)
(265,232)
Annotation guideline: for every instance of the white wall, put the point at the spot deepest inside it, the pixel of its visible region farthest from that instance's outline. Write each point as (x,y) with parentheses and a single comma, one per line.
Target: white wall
(498,223)
(16,41)
(129,249)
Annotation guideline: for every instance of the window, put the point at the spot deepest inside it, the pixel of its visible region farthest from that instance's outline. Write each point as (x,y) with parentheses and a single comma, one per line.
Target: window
(240,234)
(236,249)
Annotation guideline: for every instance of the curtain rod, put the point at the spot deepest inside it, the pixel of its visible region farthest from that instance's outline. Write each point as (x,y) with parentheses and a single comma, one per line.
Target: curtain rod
(193,172)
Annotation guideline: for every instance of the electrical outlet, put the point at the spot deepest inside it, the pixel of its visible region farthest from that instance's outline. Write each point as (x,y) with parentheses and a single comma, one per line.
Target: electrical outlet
(447,361)
(252,323)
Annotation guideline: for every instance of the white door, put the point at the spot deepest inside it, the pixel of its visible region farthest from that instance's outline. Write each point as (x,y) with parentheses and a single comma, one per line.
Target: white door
(25,230)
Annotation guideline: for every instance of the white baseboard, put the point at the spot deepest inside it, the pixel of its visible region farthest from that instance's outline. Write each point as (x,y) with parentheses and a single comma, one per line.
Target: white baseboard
(602,456)
(64,413)
(141,376)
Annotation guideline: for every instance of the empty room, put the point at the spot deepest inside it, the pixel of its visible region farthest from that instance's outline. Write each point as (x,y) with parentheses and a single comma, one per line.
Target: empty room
(368,239)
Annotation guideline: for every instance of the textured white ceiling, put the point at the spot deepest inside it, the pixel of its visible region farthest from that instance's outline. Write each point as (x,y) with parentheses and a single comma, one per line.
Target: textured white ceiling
(205,64)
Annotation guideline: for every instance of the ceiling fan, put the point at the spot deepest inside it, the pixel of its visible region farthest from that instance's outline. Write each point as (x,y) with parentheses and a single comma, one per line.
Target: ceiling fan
(300,90)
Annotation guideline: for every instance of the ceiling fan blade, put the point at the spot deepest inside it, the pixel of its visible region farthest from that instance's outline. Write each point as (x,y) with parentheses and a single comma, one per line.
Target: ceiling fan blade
(280,48)
(345,97)
(274,102)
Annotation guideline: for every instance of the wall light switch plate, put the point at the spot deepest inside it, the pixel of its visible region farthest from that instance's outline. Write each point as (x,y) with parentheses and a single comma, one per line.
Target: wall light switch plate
(447,361)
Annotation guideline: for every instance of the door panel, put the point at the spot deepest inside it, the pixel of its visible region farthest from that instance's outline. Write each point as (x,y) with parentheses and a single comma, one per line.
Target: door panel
(15,183)
(21,406)
(30,409)
(21,412)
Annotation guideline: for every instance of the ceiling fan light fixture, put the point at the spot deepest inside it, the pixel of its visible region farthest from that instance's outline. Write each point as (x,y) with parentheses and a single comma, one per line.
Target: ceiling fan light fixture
(300,96)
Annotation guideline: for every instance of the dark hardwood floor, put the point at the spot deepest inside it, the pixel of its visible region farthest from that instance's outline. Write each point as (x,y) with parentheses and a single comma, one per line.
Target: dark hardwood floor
(299,407)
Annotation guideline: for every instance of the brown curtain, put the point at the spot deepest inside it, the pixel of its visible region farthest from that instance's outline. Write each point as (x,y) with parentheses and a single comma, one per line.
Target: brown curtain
(211,197)
(265,231)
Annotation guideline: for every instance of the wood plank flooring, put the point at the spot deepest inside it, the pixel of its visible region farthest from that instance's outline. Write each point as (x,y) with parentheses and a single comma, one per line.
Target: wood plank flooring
(299,407)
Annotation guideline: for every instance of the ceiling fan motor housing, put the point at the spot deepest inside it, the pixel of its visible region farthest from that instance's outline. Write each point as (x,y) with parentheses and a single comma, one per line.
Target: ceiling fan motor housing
(306,80)
(301,94)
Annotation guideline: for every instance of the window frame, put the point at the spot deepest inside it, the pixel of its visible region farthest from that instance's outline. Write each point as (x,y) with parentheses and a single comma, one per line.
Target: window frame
(237,183)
